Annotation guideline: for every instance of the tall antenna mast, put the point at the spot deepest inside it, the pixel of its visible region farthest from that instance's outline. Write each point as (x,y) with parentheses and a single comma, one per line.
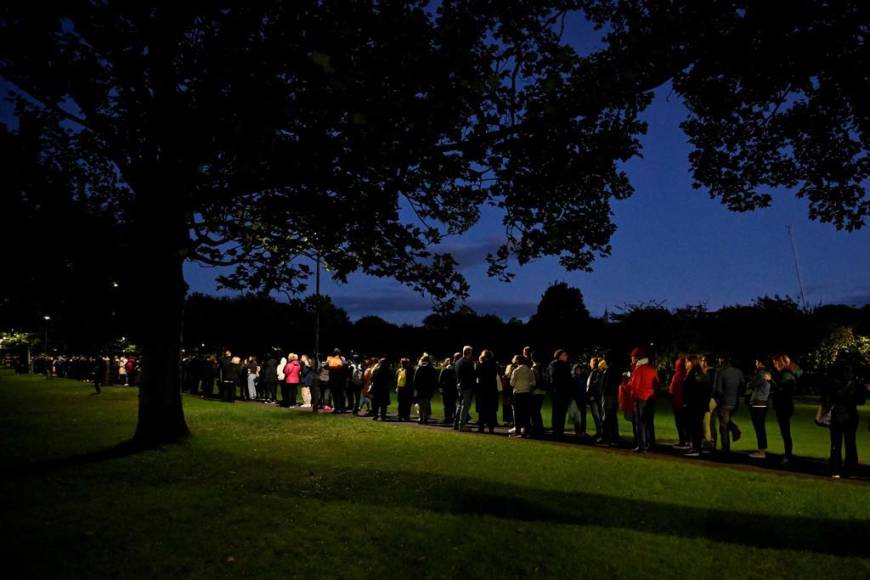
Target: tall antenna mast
(797,267)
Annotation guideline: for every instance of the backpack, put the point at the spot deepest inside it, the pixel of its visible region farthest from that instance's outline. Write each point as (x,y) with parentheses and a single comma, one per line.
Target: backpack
(402,378)
(357,376)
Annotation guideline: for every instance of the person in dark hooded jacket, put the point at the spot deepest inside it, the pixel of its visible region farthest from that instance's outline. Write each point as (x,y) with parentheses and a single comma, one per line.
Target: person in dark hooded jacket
(425,382)
(843,394)
(268,383)
(562,388)
(487,391)
(697,390)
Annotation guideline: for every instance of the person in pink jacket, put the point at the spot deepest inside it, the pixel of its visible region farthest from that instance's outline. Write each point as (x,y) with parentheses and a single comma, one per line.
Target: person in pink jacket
(292,378)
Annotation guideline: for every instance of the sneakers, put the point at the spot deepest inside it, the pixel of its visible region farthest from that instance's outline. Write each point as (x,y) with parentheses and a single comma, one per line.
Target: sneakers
(758,455)
(681,446)
(692,454)
(835,476)
(512,430)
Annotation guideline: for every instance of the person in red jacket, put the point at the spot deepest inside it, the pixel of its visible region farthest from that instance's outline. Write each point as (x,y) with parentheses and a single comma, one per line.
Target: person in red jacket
(678,403)
(643,384)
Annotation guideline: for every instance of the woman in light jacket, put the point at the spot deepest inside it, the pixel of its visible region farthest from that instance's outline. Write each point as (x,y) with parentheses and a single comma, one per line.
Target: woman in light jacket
(522,382)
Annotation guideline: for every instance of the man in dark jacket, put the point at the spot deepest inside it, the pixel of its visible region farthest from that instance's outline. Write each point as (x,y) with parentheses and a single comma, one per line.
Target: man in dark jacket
(447,385)
(268,384)
(466,383)
(727,385)
(562,388)
(425,383)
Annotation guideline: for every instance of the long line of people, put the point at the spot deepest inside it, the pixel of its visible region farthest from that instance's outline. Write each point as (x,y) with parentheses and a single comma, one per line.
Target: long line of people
(705,391)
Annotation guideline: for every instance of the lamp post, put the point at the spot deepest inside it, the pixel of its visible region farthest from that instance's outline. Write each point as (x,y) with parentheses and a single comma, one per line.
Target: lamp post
(45,343)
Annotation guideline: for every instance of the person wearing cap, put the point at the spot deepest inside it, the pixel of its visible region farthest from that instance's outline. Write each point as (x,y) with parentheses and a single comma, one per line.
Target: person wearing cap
(643,384)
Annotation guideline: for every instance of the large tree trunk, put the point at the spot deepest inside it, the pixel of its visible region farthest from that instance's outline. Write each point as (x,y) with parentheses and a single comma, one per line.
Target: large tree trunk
(161,291)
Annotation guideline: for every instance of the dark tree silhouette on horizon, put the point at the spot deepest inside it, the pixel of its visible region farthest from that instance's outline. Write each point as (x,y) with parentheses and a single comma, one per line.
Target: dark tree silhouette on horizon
(260,136)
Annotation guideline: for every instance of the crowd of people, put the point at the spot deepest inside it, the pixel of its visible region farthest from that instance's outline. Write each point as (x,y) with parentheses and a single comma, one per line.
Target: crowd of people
(705,392)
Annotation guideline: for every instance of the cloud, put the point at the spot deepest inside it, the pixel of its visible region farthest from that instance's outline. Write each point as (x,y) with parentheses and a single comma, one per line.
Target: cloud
(407,306)
(472,253)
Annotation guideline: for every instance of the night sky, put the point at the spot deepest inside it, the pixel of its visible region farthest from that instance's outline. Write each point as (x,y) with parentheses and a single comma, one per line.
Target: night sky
(673,244)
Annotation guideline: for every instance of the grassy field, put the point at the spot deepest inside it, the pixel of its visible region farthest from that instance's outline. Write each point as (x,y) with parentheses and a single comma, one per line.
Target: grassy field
(269,492)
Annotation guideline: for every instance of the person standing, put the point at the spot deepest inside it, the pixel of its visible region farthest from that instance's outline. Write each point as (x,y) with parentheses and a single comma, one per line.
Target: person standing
(697,390)
(707,366)
(230,376)
(609,379)
(252,369)
(426,382)
(310,392)
(563,390)
(355,383)
(758,393)
(577,407)
(122,371)
(522,381)
(675,389)
(405,388)
(447,386)
(539,393)
(782,391)
(292,379)
(380,389)
(644,382)
(593,398)
(337,368)
(268,383)
(466,383)
(487,391)
(728,384)
(844,393)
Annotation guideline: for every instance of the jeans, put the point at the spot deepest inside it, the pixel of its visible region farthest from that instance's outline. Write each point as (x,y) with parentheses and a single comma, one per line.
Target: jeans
(597,409)
(252,387)
(727,426)
(535,417)
(759,415)
(406,399)
(783,417)
(611,419)
(354,394)
(644,416)
(681,423)
(561,403)
(844,427)
(695,417)
(573,413)
(448,397)
(710,423)
(507,408)
(336,387)
(461,417)
(425,408)
(522,411)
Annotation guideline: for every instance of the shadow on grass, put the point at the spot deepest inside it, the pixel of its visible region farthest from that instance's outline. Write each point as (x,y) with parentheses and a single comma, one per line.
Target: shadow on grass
(45,466)
(471,497)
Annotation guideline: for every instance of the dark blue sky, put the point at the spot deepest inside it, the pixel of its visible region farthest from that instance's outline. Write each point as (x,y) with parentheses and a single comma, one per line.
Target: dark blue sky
(673,244)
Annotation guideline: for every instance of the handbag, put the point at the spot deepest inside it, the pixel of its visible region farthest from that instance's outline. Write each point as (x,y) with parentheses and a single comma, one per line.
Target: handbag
(823,415)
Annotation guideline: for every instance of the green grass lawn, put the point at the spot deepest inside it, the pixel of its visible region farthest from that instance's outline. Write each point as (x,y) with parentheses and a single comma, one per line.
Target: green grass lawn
(266,491)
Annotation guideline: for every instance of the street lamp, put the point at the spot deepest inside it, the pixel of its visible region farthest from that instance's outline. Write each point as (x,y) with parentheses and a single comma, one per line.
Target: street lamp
(45,344)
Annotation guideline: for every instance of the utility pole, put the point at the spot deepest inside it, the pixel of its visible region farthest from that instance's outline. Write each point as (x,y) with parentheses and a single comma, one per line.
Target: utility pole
(797,268)
(317,315)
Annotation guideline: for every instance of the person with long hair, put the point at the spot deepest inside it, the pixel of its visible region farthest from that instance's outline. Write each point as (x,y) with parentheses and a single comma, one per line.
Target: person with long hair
(782,392)
(405,388)
(757,396)
(843,394)
(675,389)
(697,390)
(310,391)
